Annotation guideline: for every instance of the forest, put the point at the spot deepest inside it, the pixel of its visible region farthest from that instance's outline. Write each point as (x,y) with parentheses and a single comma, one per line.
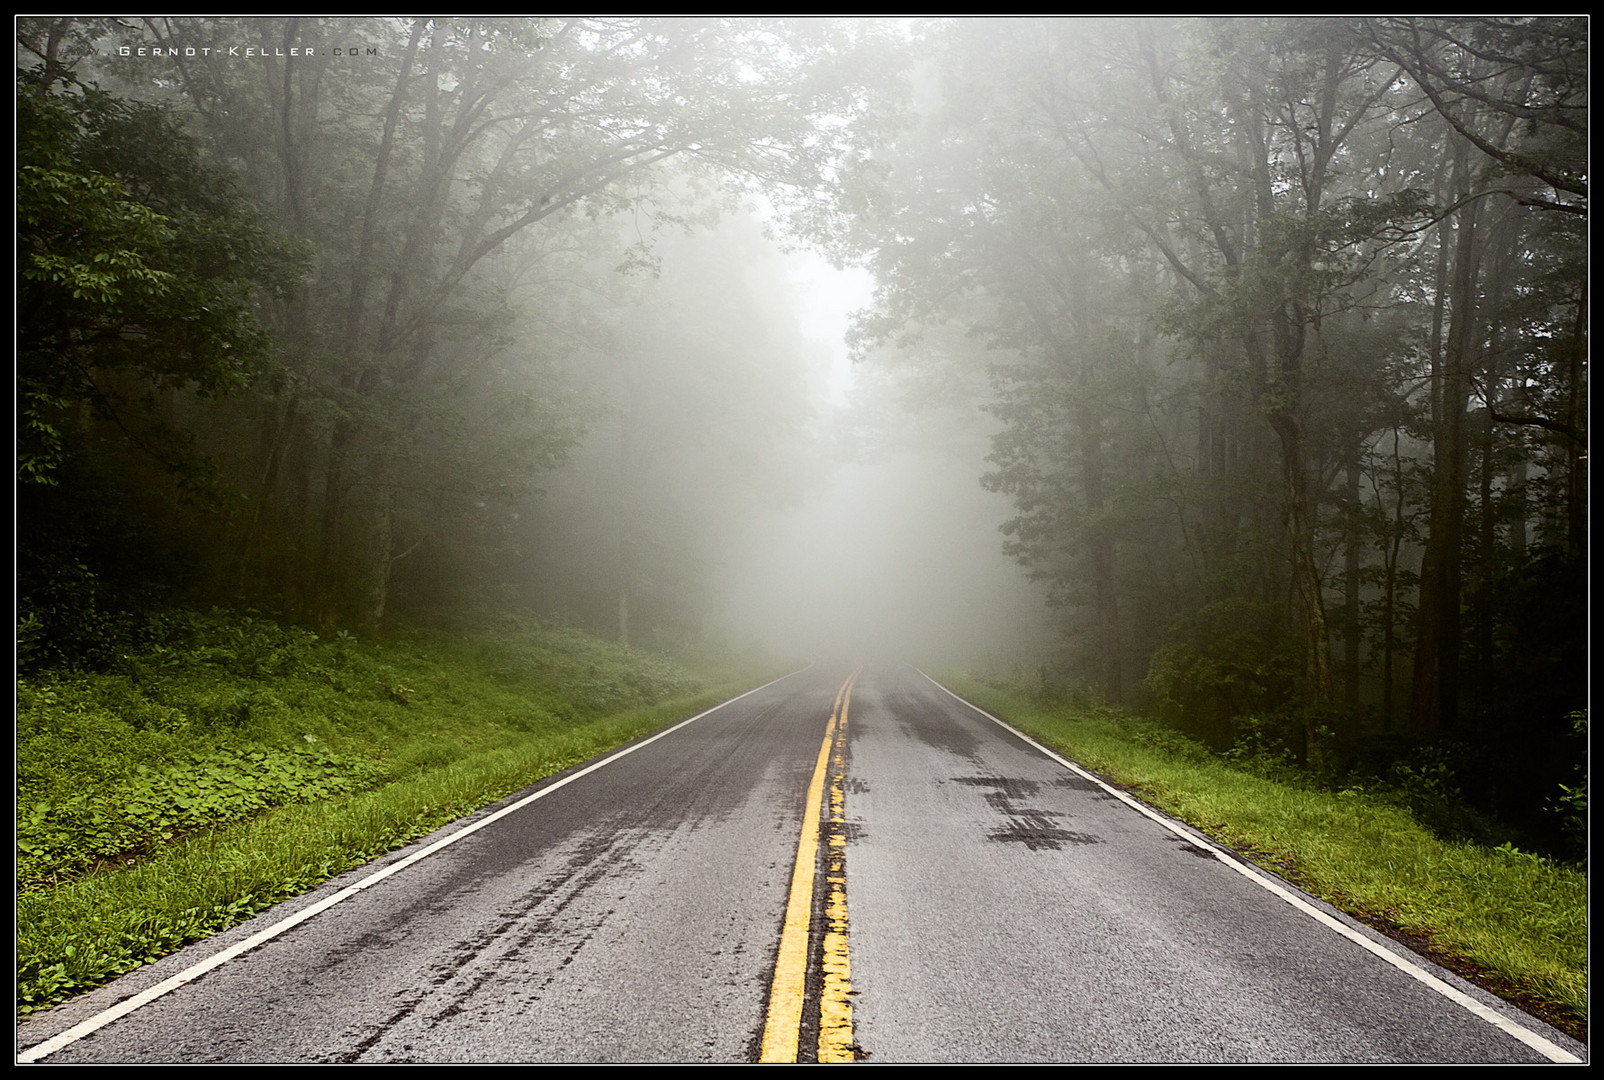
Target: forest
(1277,329)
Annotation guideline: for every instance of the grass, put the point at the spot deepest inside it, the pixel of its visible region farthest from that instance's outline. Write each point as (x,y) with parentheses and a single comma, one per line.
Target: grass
(1514,921)
(212,778)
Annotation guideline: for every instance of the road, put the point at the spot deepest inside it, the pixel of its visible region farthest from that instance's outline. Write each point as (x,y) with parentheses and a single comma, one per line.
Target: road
(954,894)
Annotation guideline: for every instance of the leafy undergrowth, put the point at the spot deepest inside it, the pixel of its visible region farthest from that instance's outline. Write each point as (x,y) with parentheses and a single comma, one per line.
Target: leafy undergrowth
(1515,922)
(56,841)
(240,763)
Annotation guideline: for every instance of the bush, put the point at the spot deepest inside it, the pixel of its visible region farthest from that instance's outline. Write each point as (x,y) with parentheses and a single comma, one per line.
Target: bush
(1224,661)
(1426,783)
(1267,744)
(1167,741)
(1570,806)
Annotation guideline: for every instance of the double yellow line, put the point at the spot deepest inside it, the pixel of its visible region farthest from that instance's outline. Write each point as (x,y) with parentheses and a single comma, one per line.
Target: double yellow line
(782,1032)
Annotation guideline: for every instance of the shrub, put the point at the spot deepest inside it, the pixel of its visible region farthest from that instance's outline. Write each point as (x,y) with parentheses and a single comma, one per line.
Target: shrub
(1223,661)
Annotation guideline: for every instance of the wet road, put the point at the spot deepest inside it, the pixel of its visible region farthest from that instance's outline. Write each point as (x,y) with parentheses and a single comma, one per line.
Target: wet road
(966,898)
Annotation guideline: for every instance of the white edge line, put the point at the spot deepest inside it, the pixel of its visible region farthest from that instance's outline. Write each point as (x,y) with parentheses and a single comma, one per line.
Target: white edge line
(190,974)
(1543,1046)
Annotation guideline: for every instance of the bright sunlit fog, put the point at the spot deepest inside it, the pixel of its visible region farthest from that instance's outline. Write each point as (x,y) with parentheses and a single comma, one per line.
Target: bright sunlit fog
(827,298)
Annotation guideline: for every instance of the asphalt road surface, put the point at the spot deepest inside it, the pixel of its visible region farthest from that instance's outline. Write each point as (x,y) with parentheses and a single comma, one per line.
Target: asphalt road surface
(955,894)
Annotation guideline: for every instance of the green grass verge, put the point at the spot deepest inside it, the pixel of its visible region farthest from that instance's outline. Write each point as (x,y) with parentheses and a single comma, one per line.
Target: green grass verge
(1515,921)
(154,810)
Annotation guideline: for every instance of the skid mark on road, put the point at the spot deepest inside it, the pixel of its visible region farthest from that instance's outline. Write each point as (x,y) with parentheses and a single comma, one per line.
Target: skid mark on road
(959,740)
(531,934)
(1035,828)
(1090,787)
(1006,787)
(1190,848)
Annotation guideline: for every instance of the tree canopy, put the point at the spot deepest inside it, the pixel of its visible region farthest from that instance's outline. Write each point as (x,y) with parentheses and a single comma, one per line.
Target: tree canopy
(1268,308)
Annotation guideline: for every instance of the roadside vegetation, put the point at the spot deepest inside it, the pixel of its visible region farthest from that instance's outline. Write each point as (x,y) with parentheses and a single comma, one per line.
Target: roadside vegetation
(1399,851)
(231,762)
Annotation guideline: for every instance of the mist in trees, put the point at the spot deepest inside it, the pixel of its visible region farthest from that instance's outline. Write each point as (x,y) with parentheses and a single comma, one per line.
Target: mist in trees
(1287,325)
(1232,370)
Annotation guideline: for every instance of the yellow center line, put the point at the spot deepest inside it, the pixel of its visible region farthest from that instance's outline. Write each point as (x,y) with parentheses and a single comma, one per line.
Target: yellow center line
(782,1029)
(835,1004)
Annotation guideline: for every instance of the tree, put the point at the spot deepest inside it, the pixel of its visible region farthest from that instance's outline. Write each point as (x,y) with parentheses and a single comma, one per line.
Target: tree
(479,133)
(1529,72)
(140,269)
(1230,179)
(1512,93)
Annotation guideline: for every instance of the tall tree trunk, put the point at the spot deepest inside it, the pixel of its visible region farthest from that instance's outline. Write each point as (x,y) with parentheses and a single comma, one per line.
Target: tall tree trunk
(1389,599)
(1503,237)
(1102,544)
(1089,421)
(1434,699)
(293,91)
(379,551)
(1306,585)
(1071,330)
(1576,474)
(1352,543)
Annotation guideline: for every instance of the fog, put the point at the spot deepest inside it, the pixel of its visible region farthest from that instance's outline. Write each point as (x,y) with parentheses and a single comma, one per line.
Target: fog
(1214,362)
(778,495)
(893,554)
